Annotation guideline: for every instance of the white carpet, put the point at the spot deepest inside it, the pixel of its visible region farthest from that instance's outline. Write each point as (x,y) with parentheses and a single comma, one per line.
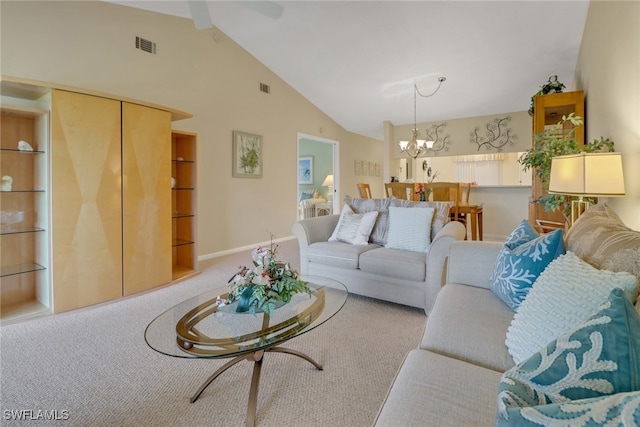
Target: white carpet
(95,365)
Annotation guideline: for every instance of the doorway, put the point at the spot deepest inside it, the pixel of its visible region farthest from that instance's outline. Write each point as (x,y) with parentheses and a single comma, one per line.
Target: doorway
(318,176)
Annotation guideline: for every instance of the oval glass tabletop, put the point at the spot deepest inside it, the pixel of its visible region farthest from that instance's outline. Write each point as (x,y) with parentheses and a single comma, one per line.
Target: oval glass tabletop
(200,327)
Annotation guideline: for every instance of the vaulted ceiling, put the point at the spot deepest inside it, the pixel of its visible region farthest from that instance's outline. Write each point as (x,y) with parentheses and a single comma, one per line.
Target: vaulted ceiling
(358,60)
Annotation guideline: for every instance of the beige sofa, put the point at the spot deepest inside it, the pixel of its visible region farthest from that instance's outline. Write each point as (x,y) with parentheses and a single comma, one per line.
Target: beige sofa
(453,378)
(400,276)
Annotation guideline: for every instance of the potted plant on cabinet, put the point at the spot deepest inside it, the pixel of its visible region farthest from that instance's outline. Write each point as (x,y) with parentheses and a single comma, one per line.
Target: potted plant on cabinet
(559,141)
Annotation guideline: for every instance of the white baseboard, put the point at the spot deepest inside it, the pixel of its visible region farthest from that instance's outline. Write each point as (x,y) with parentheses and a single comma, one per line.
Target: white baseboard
(242,248)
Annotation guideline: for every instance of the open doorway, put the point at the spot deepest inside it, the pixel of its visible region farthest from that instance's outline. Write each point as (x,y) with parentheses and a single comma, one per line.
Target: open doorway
(318,176)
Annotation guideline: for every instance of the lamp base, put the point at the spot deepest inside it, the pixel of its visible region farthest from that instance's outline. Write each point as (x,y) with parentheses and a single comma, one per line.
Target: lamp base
(577,208)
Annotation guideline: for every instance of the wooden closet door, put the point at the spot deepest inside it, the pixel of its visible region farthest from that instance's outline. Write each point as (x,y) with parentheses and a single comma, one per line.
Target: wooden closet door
(86,200)
(146,197)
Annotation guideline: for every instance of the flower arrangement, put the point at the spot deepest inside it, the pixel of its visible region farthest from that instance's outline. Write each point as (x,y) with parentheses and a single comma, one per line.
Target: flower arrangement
(267,285)
(420,190)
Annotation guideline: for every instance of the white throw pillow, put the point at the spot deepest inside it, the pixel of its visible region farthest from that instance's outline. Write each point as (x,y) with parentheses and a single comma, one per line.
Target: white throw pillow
(354,228)
(566,293)
(409,229)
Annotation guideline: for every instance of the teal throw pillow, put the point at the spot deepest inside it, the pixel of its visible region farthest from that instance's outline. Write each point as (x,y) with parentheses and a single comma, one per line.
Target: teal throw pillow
(621,409)
(599,357)
(524,255)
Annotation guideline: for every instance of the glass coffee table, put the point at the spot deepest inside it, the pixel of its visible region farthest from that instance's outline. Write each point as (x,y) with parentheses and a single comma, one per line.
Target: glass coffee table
(201,328)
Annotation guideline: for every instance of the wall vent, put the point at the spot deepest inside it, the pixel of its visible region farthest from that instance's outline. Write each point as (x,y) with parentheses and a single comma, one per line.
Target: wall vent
(145,45)
(265,88)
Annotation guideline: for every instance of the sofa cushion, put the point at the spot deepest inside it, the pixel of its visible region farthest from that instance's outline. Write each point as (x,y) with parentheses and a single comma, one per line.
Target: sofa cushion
(431,389)
(600,238)
(338,254)
(409,229)
(354,228)
(395,263)
(440,216)
(469,323)
(599,357)
(379,232)
(523,257)
(565,294)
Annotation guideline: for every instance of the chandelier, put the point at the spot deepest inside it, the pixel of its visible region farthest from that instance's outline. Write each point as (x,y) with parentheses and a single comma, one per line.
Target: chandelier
(416,146)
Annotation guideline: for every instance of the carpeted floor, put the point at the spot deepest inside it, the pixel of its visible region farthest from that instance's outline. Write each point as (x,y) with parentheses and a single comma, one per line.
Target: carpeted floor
(93,366)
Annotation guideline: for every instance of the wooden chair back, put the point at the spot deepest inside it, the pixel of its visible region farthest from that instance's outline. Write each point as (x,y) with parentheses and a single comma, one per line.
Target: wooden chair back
(444,192)
(465,189)
(364,190)
(400,190)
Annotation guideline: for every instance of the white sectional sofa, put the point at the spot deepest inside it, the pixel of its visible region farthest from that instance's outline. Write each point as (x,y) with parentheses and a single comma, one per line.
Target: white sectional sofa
(462,364)
(373,270)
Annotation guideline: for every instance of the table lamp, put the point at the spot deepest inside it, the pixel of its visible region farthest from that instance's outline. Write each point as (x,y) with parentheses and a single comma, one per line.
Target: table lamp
(586,175)
(328,182)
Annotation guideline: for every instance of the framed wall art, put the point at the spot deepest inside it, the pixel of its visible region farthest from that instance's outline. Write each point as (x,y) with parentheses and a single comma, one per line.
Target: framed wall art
(305,170)
(357,167)
(247,155)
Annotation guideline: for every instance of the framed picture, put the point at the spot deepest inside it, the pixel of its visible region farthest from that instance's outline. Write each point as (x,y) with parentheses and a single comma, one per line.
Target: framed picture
(305,170)
(247,155)
(378,169)
(357,167)
(372,169)
(365,167)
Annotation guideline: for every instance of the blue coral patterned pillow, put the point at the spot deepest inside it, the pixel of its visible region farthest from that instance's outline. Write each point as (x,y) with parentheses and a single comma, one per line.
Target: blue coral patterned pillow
(600,357)
(622,409)
(524,255)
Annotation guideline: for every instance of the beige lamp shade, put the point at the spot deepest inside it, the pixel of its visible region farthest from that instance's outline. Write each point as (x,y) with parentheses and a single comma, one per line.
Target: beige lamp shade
(328,181)
(587,175)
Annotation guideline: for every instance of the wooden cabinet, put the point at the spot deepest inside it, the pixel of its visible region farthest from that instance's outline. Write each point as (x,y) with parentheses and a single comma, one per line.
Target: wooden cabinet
(24,243)
(146,159)
(95,198)
(111,198)
(86,199)
(183,205)
(548,111)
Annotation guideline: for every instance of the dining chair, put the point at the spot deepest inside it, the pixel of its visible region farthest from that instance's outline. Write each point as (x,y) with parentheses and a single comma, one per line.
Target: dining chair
(445,192)
(364,190)
(463,197)
(400,190)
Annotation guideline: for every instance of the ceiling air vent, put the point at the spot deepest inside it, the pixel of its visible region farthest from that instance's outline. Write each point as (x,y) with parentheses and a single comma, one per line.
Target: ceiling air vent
(265,88)
(145,45)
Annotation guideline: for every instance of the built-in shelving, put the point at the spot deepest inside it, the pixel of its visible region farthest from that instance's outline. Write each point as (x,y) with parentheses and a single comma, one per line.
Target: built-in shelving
(24,240)
(183,218)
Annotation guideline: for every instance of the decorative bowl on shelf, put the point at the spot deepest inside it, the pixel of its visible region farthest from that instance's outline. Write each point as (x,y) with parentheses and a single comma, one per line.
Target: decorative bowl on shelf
(10,218)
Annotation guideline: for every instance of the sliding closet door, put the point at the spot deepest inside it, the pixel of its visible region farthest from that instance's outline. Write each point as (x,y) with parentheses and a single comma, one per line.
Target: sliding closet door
(86,200)
(146,145)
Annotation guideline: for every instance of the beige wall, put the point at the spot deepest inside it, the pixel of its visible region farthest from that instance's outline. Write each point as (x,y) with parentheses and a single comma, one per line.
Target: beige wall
(90,45)
(363,150)
(609,72)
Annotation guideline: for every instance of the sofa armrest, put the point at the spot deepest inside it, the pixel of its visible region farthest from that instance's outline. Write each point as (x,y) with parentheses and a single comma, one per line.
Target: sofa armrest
(437,259)
(312,230)
(472,262)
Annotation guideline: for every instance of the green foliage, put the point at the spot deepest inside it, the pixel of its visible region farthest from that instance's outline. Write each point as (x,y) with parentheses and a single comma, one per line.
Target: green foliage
(553,142)
(551,86)
(250,157)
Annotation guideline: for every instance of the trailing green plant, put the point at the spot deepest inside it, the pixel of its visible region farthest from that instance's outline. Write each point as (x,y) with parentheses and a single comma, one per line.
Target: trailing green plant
(553,142)
(553,85)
